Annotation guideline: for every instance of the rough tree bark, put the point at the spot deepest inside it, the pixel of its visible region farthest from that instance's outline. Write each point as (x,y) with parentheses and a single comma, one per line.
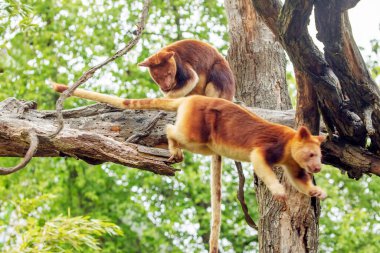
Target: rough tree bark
(348,98)
(258,62)
(342,54)
(95,134)
(251,44)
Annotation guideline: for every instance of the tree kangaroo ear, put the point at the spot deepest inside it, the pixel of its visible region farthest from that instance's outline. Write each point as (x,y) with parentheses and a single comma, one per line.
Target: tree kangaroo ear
(165,56)
(303,133)
(145,63)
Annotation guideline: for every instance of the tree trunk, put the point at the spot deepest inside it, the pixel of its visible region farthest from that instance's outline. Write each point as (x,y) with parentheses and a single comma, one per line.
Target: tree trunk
(260,80)
(258,62)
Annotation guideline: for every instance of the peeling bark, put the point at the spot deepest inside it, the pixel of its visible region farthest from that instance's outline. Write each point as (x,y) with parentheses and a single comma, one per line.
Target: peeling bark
(307,113)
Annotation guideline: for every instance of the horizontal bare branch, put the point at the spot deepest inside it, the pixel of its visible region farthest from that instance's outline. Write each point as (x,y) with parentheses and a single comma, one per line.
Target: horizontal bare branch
(97,134)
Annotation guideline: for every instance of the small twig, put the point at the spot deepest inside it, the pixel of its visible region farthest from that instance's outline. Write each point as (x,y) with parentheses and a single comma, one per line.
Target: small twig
(147,129)
(33,138)
(240,196)
(89,73)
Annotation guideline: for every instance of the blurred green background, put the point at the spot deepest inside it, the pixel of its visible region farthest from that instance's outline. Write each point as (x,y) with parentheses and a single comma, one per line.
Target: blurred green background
(65,205)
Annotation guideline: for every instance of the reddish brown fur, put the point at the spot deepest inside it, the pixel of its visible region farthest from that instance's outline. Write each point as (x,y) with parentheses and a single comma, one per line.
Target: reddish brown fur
(215,126)
(209,65)
(234,126)
(191,67)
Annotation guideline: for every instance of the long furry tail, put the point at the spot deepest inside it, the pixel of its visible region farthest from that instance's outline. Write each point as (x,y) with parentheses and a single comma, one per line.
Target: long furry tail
(216,195)
(146,103)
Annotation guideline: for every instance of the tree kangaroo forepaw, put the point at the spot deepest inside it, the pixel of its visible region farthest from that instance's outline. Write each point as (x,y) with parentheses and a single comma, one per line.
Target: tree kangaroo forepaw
(176,156)
(279,193)
(317,192)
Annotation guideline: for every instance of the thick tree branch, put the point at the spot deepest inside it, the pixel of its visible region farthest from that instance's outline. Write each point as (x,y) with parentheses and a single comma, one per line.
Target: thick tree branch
(97,134)
(295,38)
(338,152)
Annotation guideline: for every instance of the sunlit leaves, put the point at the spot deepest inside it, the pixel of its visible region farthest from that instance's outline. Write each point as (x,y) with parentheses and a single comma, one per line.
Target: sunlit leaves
(350,215)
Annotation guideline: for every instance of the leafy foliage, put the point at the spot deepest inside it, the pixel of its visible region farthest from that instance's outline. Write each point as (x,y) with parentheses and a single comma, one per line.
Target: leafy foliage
(25,229)
(155,214)
(350,221)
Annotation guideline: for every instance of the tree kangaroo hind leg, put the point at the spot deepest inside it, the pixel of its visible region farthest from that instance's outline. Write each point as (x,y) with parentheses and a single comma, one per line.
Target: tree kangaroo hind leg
(174,145)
